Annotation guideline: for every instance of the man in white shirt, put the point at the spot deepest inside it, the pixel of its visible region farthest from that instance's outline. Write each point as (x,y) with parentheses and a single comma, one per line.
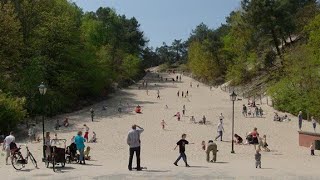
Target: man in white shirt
(133,140)
(220,130)
(6,145)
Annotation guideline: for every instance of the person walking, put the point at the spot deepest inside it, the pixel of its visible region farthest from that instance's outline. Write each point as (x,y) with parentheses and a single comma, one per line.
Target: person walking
(178,93)
(220,130)
(182,94)
(182,148)
(314,123)
(300,120)
(86,134)
(158,92)
(6,145)
(212,147)
(92,114)
(79,141)
(134,142)
(183,110)
(163,124)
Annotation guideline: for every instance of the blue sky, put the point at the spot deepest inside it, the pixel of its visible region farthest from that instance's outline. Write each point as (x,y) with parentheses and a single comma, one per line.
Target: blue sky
(166,20)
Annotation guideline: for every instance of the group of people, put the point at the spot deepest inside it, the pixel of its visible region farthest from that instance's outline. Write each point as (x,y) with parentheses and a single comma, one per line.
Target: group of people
(252,111)
(183,94)
(65,123)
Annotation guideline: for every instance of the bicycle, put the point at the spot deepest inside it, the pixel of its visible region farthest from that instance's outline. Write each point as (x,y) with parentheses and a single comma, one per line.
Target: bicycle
(18,161)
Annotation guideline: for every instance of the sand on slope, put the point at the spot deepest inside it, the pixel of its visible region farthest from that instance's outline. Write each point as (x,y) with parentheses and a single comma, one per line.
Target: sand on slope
(110,155)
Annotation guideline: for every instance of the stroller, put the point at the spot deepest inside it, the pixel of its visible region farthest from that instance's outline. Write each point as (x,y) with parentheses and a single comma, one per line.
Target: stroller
(71,153)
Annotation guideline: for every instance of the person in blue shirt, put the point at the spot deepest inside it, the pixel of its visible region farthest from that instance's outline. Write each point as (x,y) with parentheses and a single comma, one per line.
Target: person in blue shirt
(79,140)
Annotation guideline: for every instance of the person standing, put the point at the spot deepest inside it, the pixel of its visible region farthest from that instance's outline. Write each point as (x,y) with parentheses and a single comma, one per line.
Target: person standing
(182,148)
(257,157)
(6,145)
(178,93)
(86,134)
(183,109)
(212,147)
(244,110)
(187,94)
(300,120)
(314,123)
(204,119)
(312,149)
(220,130)
(79,141)
(260,111)
(255,136)
(182,94)
(31,133)
(133,140)
(92,114)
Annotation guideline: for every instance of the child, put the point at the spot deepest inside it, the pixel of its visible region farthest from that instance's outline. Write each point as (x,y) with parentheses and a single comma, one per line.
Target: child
(265,144)
(94,138)
(163,124)
(86,134)
(203,144)
(312,149)
(260,141)
(86,153)
(182,143)
(258,158)
(314,123)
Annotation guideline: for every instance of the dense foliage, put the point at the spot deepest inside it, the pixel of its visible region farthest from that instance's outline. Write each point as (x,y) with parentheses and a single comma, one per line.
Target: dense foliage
(77,55)
(274,38)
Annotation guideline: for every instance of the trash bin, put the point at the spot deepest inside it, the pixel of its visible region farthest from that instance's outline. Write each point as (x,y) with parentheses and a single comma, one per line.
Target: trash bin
(317,144)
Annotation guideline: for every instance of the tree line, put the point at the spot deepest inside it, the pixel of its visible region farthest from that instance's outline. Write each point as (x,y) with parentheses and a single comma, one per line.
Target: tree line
(78,55)
(276,40)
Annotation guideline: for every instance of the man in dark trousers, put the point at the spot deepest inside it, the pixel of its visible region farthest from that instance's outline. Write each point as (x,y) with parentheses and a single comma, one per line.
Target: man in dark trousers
(92,114)
(182,148)
(133,140)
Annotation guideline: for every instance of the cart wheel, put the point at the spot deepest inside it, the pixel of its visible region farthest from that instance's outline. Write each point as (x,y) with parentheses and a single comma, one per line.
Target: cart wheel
(53,164)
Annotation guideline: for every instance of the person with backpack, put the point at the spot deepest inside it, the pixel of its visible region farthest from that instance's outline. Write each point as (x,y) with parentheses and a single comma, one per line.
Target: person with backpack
(8,145)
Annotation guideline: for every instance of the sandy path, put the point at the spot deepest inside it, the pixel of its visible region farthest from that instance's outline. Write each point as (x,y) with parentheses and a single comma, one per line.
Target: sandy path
(110,155)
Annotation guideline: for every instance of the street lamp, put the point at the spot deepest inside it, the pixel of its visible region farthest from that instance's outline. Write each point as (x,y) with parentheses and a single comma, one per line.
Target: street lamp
(43,90)
(233,98)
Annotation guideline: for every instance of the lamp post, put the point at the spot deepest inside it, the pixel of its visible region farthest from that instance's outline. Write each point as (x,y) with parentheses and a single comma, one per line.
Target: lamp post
(233,98)
(43,90)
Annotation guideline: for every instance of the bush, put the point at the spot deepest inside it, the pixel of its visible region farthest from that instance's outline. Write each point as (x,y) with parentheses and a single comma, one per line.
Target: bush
(11,112)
